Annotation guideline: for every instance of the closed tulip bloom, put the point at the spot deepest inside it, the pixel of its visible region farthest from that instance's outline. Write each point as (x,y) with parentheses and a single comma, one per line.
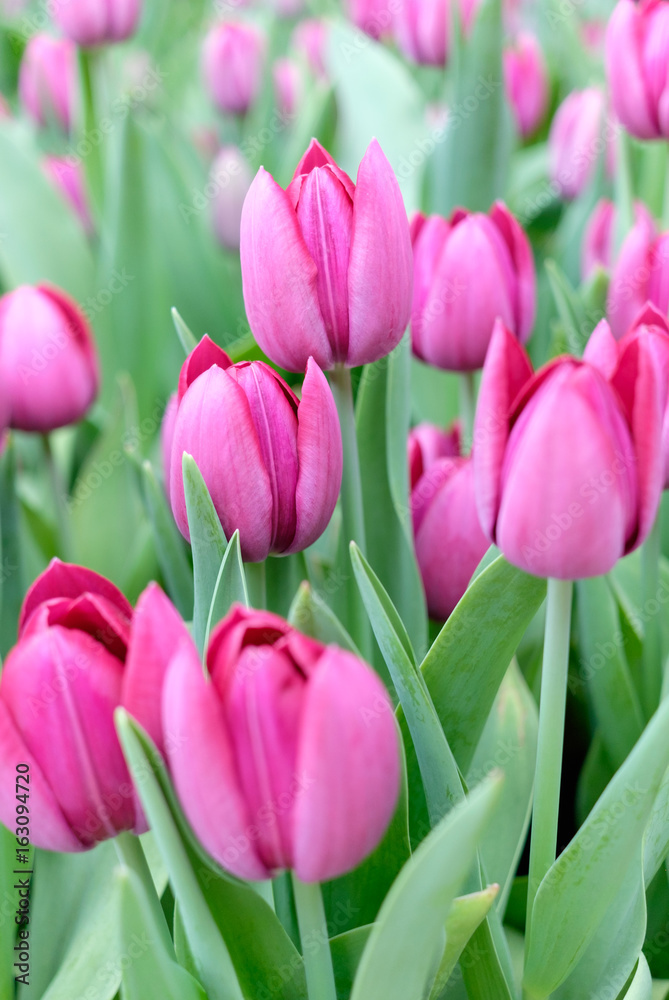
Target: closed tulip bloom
(598,239)
(79,655)
(288,86)
(48,81)
(272,463)
(568,462)
(67,176)
(640,275)
(232,66)
(637,67)
(231,176)
(289,754)
(526,81)
(427,443)
(422,28)
(97,22)
(575,141)
(468,271)
(326,264)
(309,40)
(47,357)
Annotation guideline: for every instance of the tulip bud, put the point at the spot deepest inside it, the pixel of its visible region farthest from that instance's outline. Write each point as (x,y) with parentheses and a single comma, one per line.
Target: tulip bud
(640,275)
(422,28)
(326,264)
(272,463)
(47,357)
(232,65)
(67,176)
(637,56)
(288,86)
(309,41)
(598,239)
(428,443)
(97,22)
(568,463)
(526,80)
(79,655)
(468,271)
(290,750)
(48,81)
(231,176)
(575,142)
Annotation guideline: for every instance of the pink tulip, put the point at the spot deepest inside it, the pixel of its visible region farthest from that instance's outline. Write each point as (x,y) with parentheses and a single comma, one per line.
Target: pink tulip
(232,66)
(97,22)
(568,463)
(637,67)
(422,28)
(598,240)
(231,177)
(272,463)
(468,271)
(372,16)
(79,655)
(288,86)
(47,357)
(67,176)
(526,81)
(48,81)
(640,275)
(290,750)
(576,141)
(326,264)
(427,444)
(310,41)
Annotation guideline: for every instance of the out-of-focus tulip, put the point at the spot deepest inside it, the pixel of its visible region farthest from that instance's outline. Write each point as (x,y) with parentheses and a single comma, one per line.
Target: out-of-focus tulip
(576,141)
(300,746)
(97,22)
(309,40)
(67,176)
(448,537)
(374,17)
(640,275)
(598,240)
(326,264)
(568,463)
(272,463)
(422,28)
(47,357)
(526,80)
(288,86)
(593,34)
(80,654)
(231,176)
(48,80)
(232,65)
(637,67)
(468,271)
(287,8)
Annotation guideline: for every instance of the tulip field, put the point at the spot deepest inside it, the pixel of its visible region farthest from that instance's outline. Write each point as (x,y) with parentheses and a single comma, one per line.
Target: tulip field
(334,540)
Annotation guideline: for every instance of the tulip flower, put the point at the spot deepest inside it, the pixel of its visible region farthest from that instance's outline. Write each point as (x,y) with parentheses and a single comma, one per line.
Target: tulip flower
(468,271)
(97,22)
(231,177)
(374,17)
(448,537)
(526,81)
(290,750)
(568,462)
(326,264)
(576,141)
(309,40)
(598,240)
(640,275)
(67,176)
(288,86)
(232,66)
(637,56)
(422,28)
(48,81)
(272,463)
(80,654)
(47,357)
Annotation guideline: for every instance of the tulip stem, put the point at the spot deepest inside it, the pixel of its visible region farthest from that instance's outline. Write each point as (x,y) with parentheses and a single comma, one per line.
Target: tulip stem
(59,500)
(543,844)
(315,940)
(652,641)
(256,580)
(88,62)
(467,410)
(130,854)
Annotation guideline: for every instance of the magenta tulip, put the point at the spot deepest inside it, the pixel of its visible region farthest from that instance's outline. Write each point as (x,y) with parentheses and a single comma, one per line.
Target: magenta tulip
(288,86)
(231,178)
(468,271)
(79,655)
(47,358)
(640,275)
(526,80)
(374,17)
(272,463)
(67,176)
(326,264)
(232,66)
(422,28)
(48,81)
(637,67)
(289,752)
(576,141)
(598,240)
(427,444)
(568,463)
(97,22)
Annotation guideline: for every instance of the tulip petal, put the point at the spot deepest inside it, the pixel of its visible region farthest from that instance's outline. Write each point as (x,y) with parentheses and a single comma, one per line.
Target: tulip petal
(202,766)
(624,71)
(200,360)
(88,613)
(427,248)
(597,248)
(241,627)
(602,350)
(523,265)
(658,285)
(280,279)
(67,580)
(348,766)
(628,291)
(380,274)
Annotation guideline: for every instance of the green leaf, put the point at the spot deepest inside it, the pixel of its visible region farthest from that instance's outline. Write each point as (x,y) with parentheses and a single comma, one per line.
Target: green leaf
(169,544)
(11,575)
(641,987)
(9,903)
(405,947)
(208,543)
(574,896)
(310,614)
(346,950)
(187,339)
(230,587)
(570,309)
(466,915)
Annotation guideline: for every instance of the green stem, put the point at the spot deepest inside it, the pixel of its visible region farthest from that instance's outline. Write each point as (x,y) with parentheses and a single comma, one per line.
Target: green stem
(66,545)
(256,581)
(652,642)
(624,191)
(548,772)
(93,162)
(467,409)
(315,940)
